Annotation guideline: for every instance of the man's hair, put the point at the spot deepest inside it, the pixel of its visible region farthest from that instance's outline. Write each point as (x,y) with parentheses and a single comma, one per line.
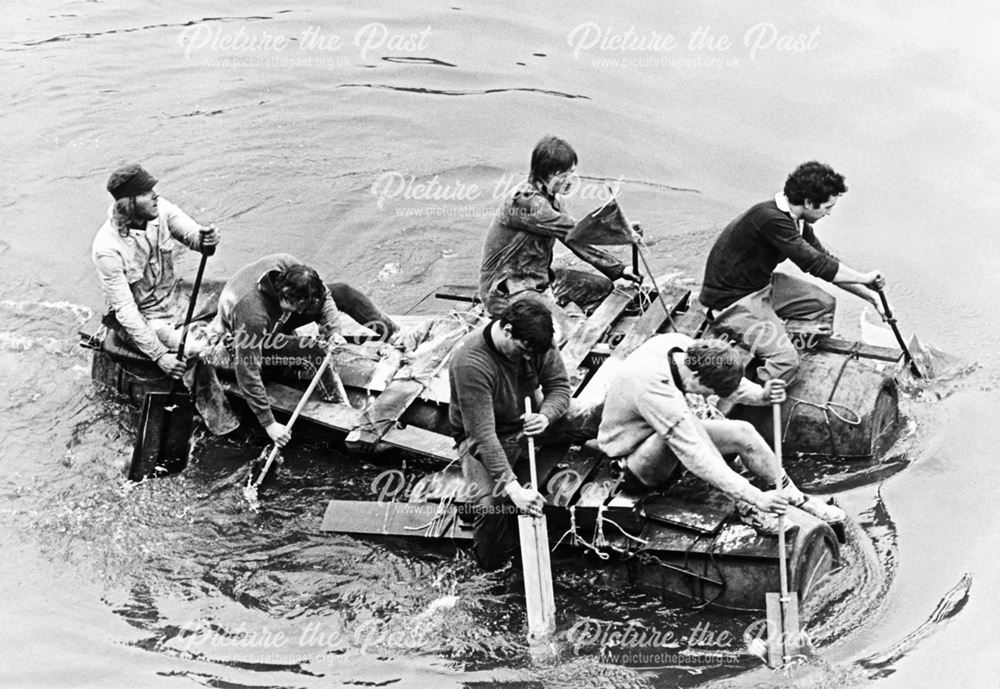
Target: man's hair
(813,182)
(531,322)
(551,156)
(123,215)
(299,283)
(718,364)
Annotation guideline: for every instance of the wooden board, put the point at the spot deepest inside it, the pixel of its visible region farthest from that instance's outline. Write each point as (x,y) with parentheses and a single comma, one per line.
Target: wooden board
(411,380)
(342,418)
(865,351)
(564,473)
(584,339)
(424,520)
(704,516)
(649,324)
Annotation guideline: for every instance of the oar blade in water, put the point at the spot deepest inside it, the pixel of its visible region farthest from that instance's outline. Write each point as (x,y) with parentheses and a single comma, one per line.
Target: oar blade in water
(164,442)
(931,361)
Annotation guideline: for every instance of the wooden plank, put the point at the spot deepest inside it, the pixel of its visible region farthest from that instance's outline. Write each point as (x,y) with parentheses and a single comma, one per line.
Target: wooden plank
(837,345)
(561,474)
(342,418)
(648,325)
(705,516)
(421,520)
(584,339)
(411,380)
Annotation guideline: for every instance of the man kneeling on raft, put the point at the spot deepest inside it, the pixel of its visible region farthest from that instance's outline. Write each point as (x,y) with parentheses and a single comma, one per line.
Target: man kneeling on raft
(648,426)
(260,308)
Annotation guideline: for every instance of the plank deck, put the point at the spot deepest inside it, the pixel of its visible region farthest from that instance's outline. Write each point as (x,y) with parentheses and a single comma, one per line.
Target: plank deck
(340,417)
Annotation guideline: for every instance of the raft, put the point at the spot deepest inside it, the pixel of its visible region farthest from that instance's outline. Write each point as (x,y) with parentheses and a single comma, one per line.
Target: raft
(687,546)
(686,543)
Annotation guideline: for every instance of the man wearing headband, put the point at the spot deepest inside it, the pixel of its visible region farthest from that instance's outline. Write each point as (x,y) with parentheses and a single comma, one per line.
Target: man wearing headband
(134,255)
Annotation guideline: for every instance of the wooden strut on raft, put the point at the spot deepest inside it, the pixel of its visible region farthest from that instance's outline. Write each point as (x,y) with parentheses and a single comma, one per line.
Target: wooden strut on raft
(534,534)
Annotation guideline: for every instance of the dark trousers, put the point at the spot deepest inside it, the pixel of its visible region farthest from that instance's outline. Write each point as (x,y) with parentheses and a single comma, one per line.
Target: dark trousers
(358,306)
(494,535)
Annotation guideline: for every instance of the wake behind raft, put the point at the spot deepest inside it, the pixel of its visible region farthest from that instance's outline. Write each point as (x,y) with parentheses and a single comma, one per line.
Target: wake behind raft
(687,542)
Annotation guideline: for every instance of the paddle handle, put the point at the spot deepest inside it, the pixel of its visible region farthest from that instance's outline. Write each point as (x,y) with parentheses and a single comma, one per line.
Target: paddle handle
(295,414)
(309,390)
(194,294)
(531,449)
(891,320)
(778,474)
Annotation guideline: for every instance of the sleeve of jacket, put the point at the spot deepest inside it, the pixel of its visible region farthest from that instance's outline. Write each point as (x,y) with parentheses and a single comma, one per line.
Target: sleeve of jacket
(475,399)
(555,386)
(114,284)
(248,351)
(783,235)
(181,226)
(668,414)
(534,214)
(329,317)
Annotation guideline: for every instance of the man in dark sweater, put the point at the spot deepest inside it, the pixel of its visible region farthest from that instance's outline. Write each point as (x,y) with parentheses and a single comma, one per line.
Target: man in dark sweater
(260,308)
(748,302)
(491,372)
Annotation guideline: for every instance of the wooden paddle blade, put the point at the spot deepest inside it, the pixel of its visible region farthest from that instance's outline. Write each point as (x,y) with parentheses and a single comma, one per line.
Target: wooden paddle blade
(538,594)
(163,444)
(794,641)
(785,641)
(775,630)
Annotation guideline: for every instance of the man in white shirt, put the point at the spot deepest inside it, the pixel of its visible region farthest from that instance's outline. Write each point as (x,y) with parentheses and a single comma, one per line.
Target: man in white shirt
(134,256)
(648,426)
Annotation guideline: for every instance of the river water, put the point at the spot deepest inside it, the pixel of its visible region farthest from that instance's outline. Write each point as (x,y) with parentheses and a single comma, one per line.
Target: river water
(371,139)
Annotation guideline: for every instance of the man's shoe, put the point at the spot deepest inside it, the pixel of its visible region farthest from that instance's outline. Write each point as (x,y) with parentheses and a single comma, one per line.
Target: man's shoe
(764,522)
(827,512)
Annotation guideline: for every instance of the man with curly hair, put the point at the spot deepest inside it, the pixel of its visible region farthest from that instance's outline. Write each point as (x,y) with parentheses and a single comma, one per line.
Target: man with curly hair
(748,302)
(648,427)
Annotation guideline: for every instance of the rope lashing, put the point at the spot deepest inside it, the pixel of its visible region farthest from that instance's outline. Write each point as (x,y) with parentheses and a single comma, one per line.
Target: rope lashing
(829,408)
(575,537)
(439,516)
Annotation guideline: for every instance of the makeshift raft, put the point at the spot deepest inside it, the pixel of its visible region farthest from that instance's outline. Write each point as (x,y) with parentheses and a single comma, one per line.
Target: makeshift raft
(687,542)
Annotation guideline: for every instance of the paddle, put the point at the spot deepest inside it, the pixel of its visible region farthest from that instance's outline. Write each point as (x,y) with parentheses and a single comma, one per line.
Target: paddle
(253,483)
(163,443)
(891,320)
(784,641)
(534,535)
